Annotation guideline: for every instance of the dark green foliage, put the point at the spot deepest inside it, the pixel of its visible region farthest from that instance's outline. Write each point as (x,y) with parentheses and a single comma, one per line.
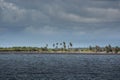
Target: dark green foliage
(64,45)
(71,44)
(108,49)
(117,49)
(97,48)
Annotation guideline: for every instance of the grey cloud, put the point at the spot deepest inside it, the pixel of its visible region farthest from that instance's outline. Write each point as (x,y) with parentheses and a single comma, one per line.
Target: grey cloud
(72,10)
(106,0)
(77,16)
(11,13)
(105,14)
(46,30)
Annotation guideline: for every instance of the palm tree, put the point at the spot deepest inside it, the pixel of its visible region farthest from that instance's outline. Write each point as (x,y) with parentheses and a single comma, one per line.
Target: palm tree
(56,45)
(64,45)
(110,48)
(53,45)
(71,45)
(97,48)
(61,46)
(107,49)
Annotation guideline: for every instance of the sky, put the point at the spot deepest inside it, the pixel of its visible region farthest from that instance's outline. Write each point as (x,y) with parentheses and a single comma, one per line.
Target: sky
(41,22)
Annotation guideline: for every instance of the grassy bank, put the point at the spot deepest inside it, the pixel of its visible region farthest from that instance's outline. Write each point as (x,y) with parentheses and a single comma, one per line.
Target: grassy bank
(57,50)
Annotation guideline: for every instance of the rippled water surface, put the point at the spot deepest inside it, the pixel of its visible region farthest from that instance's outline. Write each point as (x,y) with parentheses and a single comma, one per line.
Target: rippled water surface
(59,67)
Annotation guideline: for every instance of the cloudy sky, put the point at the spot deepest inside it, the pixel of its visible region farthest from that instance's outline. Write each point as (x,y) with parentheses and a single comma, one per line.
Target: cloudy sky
(38,22)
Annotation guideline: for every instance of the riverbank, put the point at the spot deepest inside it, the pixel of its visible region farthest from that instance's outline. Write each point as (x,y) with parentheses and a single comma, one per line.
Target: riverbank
(60,52)
(95,50)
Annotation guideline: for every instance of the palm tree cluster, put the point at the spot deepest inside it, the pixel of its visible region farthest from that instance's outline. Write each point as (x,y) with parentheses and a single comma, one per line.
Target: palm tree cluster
(107,49)
(62,46)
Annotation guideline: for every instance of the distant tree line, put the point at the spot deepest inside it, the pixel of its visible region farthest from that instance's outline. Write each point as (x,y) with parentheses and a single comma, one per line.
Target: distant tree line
(63,47)
(56,47)
(107,49)
(19,49)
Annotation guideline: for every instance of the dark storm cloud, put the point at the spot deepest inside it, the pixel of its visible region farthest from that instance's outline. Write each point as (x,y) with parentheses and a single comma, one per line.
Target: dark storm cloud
(60,16)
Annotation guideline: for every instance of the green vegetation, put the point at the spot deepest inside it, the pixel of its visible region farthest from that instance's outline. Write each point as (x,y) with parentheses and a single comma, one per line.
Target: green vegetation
(63,48)
(106,49)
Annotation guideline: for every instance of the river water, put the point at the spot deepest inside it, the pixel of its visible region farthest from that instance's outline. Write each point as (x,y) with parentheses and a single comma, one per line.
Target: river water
(59,67)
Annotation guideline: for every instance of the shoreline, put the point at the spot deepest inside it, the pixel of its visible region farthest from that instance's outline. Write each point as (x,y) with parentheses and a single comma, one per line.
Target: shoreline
(84,53)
